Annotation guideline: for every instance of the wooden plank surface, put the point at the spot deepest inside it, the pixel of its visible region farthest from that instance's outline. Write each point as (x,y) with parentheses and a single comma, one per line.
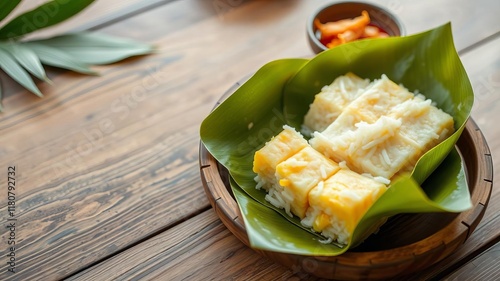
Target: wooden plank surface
(107,162)
(103,169)
(201,247)
(483,267)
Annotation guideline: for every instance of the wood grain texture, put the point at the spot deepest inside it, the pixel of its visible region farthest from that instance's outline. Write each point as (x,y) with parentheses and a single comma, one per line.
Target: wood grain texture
(483,267)
(80,207)
(200,248)
(107,162)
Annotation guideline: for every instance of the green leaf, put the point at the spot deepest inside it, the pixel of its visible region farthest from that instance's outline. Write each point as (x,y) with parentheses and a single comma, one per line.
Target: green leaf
(262,100)
(14,70)
(57,58)
(426,62)
(439,193)
(280,93)
(91,48)
(269,231)
(6,6)
(48,14)
(27,58)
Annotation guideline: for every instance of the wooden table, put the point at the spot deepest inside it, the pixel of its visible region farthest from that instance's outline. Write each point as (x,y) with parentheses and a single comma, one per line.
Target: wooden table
(107,176)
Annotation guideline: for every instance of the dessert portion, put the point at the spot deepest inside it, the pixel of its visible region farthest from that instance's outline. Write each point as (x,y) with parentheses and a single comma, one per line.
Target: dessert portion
(363,134)
(300,173)
(339,203)
(326,196)
(278,149)
(384,131)
(332,100)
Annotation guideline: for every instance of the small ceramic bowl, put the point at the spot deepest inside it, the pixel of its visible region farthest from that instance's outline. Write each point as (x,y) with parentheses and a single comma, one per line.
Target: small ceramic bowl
(379,16)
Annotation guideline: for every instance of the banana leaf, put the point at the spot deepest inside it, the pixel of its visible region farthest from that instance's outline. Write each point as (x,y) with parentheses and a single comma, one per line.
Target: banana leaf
(280,93)
(267,230)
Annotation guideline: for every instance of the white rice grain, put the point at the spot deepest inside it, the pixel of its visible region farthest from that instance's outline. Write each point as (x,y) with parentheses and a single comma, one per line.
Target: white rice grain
(343,165)
(382,180)
(386,158)
(273,201)
(260,182)
(326,241)
(322,171)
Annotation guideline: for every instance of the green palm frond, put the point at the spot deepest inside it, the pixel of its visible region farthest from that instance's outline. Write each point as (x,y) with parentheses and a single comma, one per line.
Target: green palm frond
(22,60)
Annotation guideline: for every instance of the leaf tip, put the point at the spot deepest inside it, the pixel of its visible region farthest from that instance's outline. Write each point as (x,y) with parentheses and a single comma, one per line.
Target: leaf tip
(48,81)
(35,91)
(38,94)
(153,48)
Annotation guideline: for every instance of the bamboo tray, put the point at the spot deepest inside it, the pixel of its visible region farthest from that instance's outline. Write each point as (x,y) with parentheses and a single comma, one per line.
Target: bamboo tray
(391,252)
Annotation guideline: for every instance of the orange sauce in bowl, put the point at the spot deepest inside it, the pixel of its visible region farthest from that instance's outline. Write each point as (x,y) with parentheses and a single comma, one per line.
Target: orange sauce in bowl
(339,32)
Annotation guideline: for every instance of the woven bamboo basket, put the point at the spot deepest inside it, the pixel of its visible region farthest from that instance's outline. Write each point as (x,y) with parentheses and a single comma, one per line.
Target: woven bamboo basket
(394,251)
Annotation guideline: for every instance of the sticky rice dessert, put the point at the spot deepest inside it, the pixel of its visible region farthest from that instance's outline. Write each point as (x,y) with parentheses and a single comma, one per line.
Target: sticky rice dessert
(331,101)
(329,199)
(422,123)
(279,148)
(378,99)
(297,176)
(384,131)
(332,181)
(339,203)
(376,149)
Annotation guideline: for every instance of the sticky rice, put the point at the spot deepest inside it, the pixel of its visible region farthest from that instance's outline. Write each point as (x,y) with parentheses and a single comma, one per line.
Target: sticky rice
(363,134)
